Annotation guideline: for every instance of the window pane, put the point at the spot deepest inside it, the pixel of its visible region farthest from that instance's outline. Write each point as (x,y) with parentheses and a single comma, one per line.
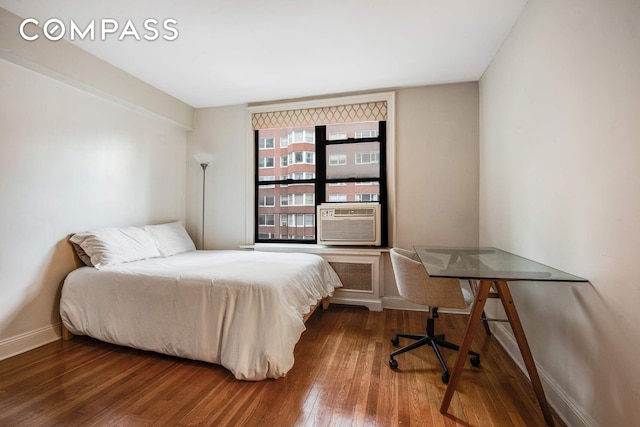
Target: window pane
(292,217)
(287,153)
(353,160)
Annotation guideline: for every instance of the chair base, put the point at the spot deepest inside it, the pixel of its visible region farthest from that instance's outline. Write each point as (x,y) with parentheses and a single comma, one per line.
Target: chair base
(434,341)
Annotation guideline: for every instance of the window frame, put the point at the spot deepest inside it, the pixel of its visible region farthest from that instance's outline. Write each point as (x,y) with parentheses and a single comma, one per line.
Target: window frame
(388,98)
(320,181)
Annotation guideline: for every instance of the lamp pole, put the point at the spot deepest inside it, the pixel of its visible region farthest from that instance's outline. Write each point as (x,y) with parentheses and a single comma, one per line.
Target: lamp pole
(204,172)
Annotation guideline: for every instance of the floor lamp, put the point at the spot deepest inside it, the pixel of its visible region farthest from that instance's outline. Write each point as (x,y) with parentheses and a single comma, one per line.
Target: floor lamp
(204,160)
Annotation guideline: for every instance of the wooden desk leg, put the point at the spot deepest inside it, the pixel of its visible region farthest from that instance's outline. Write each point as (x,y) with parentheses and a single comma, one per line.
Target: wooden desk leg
(472,326)
(512,314)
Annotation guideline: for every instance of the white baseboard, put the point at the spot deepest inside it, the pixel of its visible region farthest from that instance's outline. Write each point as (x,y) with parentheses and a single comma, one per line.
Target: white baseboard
(371,304)
(28,341)
(573,414)
(398,303)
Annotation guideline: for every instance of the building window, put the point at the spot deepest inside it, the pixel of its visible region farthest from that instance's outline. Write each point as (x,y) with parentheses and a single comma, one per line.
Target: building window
(265,143)
(266,200)
(267,178)
(333,136)
(306,199)
(300,136)
(337,197)
(268,220)
(366,133)
(266,162)
(367,197)
(301,157)
(301,175)
(284,161)
(297,220)
(337,159)
(367,158)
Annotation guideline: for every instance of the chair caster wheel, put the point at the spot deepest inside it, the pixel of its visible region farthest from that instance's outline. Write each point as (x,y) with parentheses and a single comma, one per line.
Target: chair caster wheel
(475,361)
(393,363)
(395,341)
(445,377)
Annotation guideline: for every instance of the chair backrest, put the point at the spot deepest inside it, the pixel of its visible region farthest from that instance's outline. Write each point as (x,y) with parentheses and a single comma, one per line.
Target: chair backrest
(416,286)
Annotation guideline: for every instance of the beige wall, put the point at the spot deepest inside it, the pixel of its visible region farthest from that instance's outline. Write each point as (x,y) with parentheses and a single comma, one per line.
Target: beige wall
(559,152)
(70,161)
(437,165)
(221,132)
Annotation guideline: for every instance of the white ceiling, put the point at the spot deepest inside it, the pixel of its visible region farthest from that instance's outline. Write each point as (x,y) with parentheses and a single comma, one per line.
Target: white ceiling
(238,51)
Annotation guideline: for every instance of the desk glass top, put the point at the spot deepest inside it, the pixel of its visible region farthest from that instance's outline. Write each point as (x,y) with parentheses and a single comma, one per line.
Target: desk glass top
(487,263)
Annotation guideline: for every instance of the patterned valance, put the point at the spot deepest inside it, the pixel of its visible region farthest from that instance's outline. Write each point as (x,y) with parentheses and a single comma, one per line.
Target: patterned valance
(370,111)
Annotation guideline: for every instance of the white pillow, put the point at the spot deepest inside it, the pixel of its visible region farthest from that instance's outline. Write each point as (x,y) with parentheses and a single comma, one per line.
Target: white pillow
(111,246)
(171,238)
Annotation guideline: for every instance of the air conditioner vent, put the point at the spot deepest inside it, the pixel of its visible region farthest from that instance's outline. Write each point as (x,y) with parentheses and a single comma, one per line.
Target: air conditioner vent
(355,212)
(340,224)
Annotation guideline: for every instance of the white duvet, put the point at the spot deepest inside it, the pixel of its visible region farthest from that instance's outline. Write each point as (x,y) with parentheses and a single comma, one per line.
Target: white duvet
(240,309)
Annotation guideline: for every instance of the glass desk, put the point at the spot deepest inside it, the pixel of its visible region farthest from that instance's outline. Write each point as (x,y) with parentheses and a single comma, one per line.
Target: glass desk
(494,268)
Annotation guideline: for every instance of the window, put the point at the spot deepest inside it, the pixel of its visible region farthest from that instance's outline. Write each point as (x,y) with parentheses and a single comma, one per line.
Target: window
(327,163)
(301,175)
(323,128)
(265,143)
(337,135)
(266,200)
(337,159)
(299,157)
(266,162)
(366,197)
(367,158)
(300,136)
(268,219)
(306,199)
(366,133)
(298,220)
(266,178)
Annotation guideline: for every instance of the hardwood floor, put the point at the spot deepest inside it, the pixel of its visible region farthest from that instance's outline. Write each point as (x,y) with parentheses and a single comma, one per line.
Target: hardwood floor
(341,377)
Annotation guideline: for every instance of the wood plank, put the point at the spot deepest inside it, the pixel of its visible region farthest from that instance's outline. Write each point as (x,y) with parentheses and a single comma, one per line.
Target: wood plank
(341,376)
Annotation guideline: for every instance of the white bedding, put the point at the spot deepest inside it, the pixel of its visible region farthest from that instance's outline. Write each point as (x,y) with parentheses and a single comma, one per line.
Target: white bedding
(240,309)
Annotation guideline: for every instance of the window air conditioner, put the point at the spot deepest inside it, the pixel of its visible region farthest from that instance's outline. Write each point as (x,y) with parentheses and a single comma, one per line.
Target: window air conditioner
(349,224)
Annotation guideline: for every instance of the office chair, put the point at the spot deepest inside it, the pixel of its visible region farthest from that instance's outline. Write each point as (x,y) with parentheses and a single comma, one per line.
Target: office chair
(416,286)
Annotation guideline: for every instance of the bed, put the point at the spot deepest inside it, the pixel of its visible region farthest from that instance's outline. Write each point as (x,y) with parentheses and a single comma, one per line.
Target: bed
(243,310)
